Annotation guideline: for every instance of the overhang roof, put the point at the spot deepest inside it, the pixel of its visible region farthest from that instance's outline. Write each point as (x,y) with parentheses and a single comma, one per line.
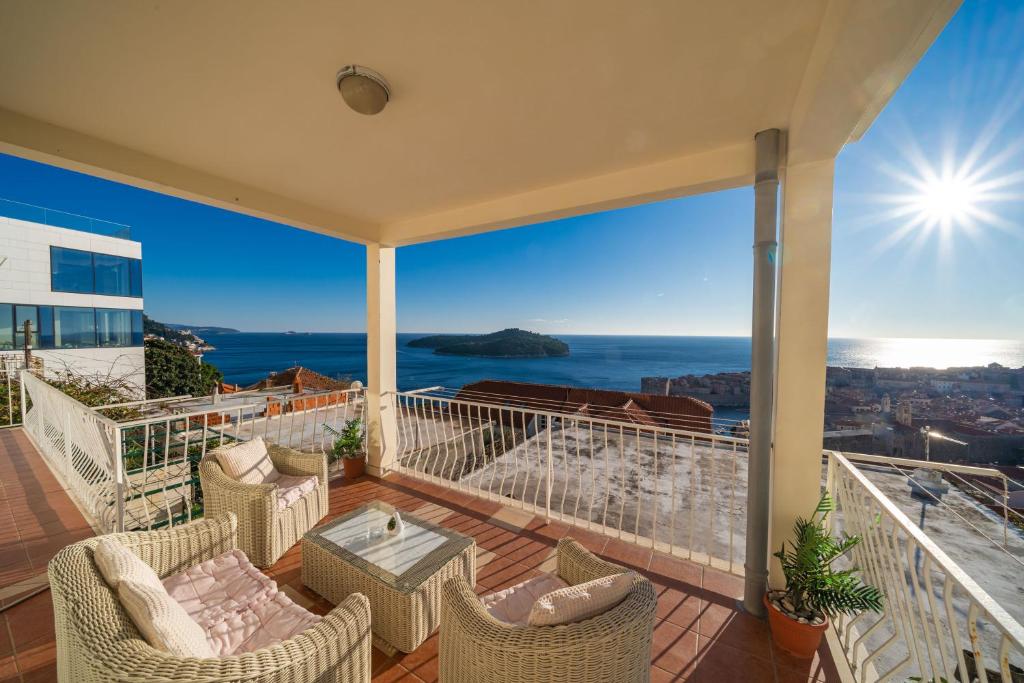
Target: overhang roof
(503,113)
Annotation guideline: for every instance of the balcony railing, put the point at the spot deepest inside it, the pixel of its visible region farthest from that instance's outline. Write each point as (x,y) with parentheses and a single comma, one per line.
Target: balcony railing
(938,624)
(63,219)
(679,491)
(142,473)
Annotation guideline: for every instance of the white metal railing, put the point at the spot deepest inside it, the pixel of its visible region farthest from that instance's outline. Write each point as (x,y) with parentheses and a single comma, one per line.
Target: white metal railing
(11,365)
(143,473)
(161,452)
(938,623)
(79,445)
(986,486)
(680,491)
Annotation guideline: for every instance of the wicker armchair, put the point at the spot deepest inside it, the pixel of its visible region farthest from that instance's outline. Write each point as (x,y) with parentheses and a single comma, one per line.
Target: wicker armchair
(97,640)
(265,531)
(613,646)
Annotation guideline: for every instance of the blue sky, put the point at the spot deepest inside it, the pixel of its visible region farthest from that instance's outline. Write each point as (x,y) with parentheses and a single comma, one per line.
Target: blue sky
(680,267)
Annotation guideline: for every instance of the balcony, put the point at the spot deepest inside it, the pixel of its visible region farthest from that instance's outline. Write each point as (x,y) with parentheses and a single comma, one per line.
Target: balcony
(651,495)
(700,634)
(63,219)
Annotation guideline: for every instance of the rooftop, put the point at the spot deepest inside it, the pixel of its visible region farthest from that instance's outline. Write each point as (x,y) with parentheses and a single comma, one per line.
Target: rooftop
(63,219)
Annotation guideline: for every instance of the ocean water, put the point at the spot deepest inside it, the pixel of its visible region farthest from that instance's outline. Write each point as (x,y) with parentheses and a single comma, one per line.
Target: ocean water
(605,362)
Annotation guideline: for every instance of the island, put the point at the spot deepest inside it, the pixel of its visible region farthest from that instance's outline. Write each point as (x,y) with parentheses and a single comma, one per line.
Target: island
(510,343)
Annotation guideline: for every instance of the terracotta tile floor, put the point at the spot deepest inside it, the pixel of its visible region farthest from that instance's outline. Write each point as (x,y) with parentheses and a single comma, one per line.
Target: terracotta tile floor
(699,634)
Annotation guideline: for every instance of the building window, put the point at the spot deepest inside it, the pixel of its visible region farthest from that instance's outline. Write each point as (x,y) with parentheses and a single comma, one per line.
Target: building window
(138,337)
(113,327)
(74,328)
(23,314)
(46,327)
(136,277)
(112,275)
(71,271)
(6,327)
(83,272)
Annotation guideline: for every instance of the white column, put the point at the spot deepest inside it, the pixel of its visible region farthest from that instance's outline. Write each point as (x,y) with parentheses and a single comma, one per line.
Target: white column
(381,369)
(801,348)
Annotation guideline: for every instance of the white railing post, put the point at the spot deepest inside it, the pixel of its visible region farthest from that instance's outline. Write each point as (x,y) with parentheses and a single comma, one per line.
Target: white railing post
(24,401)
(66,462)
(550,470)
(119,487)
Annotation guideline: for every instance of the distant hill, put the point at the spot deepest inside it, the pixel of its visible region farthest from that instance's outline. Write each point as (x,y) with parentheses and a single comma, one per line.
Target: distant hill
(510,343)
(168,332)
(203,329)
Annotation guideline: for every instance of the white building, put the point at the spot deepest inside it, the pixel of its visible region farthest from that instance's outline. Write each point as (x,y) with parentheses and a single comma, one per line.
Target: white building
(79,286)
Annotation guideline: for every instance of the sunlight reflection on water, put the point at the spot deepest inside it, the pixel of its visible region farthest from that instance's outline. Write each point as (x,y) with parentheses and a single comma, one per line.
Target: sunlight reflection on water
(929,353)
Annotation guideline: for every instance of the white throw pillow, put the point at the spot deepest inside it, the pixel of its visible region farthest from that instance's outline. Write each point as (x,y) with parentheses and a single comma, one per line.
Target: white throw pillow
(248,462)
(163,622)
(582,601)
(117,563)
(513,605)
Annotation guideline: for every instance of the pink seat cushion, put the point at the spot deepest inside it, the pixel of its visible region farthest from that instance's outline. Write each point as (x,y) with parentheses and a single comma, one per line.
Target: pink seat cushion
(290,488)
(238,607)
(513,605)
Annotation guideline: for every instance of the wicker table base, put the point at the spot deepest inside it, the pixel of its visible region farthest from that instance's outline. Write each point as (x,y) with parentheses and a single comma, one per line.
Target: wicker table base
(402,619)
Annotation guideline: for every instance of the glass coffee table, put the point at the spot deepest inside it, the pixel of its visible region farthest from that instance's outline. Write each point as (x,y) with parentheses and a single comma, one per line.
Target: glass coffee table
(401,575)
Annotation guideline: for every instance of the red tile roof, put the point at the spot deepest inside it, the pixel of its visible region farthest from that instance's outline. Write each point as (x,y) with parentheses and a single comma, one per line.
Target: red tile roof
(305,378)
(677,412)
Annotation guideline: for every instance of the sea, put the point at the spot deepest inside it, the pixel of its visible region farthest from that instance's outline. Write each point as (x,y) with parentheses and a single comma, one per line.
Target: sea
(604,362)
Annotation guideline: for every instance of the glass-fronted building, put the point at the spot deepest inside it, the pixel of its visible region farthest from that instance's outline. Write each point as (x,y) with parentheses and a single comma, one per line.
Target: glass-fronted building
(80,294)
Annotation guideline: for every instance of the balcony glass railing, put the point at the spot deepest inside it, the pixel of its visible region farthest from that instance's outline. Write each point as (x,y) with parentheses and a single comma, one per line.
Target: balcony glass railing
(63,219)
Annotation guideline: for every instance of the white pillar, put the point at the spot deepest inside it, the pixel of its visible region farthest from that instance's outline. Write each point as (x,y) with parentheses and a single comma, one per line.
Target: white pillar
(801,347)
(382,375)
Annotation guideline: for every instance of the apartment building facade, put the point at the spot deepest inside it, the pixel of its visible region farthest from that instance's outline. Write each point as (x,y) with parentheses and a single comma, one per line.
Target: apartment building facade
(80,290)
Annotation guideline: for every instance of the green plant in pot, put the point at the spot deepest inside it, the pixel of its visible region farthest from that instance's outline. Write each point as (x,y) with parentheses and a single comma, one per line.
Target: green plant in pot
(348,447)
(815,590)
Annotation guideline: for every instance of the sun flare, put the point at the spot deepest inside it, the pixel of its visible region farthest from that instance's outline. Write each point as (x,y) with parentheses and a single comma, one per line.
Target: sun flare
(947,201)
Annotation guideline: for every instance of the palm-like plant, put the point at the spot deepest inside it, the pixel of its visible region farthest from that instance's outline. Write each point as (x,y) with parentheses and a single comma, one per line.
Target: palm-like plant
(348,443)
(813,586)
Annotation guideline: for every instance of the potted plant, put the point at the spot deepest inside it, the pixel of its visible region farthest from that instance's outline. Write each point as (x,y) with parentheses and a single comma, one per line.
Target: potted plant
(348,447)
(815,591)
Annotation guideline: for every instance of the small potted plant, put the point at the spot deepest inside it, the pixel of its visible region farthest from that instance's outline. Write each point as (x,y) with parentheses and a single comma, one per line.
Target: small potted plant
(815,591)
(395,524)
(348,447)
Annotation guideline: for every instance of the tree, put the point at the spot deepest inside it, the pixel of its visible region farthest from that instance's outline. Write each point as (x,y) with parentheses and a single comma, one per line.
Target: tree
(172,371)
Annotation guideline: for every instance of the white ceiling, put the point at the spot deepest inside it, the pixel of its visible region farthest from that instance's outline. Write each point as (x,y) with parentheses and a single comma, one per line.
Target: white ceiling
(502,112)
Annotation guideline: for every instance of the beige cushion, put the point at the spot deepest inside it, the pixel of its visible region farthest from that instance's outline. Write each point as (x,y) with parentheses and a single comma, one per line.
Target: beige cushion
(163,622)
(117,563)
(248,462)
(581,601)
(513,605)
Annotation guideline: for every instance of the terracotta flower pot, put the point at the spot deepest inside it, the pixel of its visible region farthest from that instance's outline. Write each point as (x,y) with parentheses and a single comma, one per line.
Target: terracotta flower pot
(354,467)
(799,640)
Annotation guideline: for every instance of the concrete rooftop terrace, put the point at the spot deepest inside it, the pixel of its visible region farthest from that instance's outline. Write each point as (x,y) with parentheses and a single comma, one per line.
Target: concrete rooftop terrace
(699,634)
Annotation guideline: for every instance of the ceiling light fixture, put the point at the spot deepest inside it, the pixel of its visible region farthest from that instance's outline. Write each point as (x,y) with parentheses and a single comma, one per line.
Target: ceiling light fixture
(364,90)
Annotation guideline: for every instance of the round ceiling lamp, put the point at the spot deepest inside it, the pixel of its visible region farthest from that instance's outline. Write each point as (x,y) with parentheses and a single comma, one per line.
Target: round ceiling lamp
(364,90)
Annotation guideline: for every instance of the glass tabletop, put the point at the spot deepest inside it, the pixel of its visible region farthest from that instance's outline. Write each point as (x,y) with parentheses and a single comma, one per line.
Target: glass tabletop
(404,560)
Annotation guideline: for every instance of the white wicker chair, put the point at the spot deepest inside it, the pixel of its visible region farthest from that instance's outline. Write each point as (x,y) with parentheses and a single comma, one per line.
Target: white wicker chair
(265,531)
(613,646)
(98,642)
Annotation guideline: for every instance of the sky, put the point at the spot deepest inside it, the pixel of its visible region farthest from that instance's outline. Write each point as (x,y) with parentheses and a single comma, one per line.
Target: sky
(928,235)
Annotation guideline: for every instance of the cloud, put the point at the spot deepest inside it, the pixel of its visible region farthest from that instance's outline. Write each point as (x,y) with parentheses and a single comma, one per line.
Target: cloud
(660,294)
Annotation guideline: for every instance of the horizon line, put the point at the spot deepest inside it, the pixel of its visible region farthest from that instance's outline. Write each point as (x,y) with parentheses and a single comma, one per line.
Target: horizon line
(615,334)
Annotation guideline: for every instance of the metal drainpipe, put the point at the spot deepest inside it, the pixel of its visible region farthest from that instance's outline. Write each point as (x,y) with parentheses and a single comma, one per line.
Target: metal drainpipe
(762,380)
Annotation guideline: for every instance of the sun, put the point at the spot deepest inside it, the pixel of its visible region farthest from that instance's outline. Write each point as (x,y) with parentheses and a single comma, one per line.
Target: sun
(947,201)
